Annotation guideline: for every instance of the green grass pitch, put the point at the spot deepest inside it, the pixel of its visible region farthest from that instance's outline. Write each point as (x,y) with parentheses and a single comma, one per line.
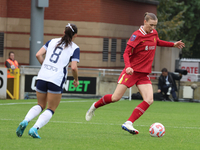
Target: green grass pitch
(68,129)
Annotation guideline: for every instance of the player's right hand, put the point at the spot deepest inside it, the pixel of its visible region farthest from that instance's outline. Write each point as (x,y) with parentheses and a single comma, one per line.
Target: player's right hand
(129,70)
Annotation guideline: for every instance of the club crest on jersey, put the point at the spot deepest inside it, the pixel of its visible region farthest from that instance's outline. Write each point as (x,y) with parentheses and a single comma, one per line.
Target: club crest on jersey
(133,37)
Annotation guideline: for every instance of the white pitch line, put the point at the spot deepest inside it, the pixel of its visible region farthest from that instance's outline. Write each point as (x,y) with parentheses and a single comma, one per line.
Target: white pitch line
(93,123)
(121,124)
(36,102)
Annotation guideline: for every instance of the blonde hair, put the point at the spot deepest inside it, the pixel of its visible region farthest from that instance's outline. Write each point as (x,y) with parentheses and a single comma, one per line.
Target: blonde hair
(148,16)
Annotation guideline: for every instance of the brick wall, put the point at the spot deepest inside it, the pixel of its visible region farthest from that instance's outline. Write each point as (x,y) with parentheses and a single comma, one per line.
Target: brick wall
(95,19)
(3,8)
(19,8)
(107,11)
(125,12)
(73,10)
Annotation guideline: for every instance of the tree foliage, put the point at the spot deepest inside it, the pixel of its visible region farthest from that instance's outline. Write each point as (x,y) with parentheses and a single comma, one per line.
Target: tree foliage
(180,20)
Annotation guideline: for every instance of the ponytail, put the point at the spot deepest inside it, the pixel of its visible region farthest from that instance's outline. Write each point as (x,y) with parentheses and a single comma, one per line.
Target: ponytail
(70,30)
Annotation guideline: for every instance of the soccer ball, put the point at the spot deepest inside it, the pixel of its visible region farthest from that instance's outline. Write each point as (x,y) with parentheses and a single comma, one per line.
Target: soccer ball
(157,130)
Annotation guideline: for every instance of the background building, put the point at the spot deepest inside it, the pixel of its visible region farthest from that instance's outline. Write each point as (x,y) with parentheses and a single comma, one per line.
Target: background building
(104,26)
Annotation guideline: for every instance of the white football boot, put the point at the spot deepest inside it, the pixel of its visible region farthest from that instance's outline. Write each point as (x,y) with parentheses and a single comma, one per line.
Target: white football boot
(90,112)
(127,126)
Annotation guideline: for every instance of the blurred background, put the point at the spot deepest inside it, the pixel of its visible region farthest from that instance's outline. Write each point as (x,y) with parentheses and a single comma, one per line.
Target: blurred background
(104,27)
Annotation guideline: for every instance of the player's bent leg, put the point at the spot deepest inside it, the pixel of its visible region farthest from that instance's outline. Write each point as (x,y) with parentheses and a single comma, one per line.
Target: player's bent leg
(106,99)
(119,92)
(42,99)
(53,101)
(147,94)
(41,121)
(146,91)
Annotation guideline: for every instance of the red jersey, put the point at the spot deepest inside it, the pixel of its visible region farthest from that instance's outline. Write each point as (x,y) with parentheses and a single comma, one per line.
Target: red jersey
(140,50)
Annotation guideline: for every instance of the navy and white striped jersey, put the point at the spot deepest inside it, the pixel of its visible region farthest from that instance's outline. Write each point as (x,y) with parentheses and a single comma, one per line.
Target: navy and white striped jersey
(57,59)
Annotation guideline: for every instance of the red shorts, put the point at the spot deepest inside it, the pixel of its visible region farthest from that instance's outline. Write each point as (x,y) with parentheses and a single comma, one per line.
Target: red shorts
(136,78)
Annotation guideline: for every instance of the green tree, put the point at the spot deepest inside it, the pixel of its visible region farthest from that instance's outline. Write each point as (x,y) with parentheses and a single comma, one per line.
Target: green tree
(180,19)
(169,19)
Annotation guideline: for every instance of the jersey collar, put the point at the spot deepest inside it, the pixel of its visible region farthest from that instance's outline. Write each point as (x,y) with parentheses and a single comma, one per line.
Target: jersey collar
(142,30)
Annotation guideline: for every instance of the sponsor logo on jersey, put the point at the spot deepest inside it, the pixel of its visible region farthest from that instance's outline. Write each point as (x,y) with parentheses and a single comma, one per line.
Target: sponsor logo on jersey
(133,37)
(49,67)
(146,48)
(149,48)
(152,47)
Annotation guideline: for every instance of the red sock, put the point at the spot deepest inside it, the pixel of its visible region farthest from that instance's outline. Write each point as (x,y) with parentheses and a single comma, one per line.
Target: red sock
(106,99)
(138,111)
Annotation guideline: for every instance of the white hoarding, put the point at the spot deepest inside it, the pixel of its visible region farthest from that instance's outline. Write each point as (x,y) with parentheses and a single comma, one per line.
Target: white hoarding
(192,68)
(3,83)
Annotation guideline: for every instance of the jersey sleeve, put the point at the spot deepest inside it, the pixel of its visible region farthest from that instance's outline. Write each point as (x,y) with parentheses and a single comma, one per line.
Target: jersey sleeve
(126,54)
(131,44)
(134,40)
(76,55)
(47,44)
(164,43)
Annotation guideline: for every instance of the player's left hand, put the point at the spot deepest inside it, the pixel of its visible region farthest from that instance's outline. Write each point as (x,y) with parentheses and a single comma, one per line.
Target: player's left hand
(76,83)
(179,44)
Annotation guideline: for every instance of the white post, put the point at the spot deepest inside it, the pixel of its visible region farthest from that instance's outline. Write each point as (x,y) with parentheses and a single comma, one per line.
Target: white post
(130,89)
(104,72)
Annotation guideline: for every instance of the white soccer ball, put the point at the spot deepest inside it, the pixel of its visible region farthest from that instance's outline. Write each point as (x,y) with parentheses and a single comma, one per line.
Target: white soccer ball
(157,130)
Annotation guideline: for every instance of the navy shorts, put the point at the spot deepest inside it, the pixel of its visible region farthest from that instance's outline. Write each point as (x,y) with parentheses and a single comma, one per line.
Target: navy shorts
(45,86)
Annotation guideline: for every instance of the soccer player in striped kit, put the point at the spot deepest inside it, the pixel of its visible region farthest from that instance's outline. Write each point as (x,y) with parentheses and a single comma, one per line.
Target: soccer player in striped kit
(53,73)
(138,59)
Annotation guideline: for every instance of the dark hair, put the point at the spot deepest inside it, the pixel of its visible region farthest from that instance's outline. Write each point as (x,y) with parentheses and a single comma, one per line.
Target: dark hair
(70,30)
(164,70)
(11,52)
(148,16)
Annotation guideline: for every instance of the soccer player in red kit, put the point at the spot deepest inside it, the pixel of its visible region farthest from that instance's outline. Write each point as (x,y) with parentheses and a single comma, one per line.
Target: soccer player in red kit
(138,59)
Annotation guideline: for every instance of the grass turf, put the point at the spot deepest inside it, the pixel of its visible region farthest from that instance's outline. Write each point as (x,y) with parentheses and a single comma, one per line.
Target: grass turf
(68,129)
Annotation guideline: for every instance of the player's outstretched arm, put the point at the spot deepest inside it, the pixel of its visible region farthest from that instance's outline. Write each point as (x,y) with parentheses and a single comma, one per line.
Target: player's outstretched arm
(179,44)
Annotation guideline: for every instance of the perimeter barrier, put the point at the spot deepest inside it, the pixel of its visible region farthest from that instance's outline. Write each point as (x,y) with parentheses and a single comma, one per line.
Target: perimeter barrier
(94,83)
